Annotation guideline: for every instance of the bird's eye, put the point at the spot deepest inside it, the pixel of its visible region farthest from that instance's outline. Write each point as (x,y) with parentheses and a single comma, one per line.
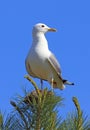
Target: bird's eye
(42,26)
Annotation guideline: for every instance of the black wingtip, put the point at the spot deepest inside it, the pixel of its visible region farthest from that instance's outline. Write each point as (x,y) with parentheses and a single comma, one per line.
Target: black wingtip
(67,82)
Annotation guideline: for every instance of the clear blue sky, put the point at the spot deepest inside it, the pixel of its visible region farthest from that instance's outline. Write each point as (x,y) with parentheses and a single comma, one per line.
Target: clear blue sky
(70,44)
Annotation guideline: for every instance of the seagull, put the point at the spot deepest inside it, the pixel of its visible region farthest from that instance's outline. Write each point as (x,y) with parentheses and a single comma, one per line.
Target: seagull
(41,62)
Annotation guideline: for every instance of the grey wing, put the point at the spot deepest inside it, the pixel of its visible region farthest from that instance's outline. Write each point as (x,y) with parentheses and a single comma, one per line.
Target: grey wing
(55,63)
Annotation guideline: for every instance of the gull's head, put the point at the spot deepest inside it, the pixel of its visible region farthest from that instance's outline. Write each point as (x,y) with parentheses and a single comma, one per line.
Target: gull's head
(40,27)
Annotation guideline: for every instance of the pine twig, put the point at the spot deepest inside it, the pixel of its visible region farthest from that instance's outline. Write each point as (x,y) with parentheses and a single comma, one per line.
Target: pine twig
(39,97)
(20,112)
(1,120)
(80,121)
(33,83)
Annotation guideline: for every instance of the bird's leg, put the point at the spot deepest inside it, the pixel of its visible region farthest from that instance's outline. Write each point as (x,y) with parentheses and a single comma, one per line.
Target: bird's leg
(41,81)
(52,80)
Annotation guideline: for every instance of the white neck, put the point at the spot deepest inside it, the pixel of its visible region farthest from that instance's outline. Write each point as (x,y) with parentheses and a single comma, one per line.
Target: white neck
(39,39)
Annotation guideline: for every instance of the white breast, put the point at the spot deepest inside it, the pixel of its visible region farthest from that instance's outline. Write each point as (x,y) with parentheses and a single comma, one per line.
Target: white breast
(36,59)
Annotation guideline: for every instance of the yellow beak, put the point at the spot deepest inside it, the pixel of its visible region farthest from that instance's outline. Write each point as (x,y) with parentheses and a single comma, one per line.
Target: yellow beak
(52,29)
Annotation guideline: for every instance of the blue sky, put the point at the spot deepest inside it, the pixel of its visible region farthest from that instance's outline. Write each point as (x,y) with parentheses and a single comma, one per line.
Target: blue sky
(70,44)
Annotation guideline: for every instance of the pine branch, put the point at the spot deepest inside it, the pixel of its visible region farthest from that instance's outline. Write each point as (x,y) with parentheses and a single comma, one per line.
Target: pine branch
(33,83)
(20,112)
(1,121)
(37,109)
(80,120)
